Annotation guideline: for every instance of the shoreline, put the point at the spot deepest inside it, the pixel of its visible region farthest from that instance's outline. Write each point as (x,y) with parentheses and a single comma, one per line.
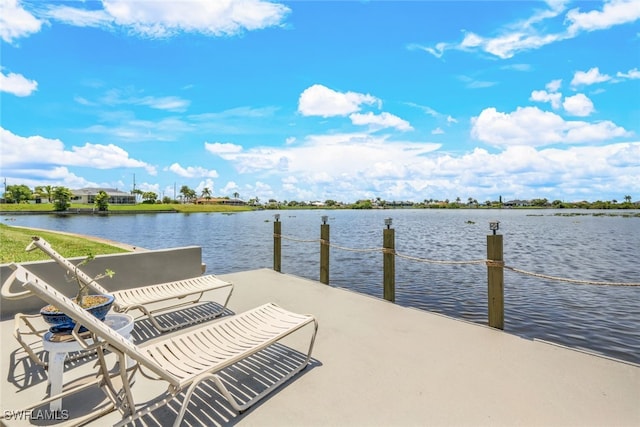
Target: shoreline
(121,245)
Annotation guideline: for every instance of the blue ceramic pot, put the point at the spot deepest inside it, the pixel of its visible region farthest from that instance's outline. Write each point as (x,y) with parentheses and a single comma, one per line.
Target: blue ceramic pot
(60,322)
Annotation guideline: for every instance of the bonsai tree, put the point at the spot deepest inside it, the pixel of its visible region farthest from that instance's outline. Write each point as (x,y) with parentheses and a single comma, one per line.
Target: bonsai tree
(81,297)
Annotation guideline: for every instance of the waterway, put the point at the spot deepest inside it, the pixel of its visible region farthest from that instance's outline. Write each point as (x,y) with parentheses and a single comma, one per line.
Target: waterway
(600,246)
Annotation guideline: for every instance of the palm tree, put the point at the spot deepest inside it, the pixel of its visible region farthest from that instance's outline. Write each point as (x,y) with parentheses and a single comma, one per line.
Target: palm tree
(206,193)
(236,195)
(187,193)
(627,199)
(45,191)
(137,192)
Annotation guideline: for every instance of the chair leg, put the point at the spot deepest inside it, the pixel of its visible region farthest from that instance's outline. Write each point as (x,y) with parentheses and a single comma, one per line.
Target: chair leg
(23,319)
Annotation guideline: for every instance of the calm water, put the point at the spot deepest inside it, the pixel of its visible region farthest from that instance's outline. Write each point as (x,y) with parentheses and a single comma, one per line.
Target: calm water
(602,319)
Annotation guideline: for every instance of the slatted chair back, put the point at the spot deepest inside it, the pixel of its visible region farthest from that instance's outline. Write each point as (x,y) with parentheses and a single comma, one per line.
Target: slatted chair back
(82,317)
(68,265)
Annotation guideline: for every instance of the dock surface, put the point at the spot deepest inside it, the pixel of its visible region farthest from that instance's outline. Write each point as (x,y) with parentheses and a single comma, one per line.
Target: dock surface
(379,364)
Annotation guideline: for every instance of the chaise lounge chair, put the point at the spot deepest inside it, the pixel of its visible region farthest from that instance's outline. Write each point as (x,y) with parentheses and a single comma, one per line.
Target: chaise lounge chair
(143,297)
(182,361)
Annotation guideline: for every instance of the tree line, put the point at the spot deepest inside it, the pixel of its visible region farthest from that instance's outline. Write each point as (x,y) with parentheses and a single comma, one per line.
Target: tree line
(61,198)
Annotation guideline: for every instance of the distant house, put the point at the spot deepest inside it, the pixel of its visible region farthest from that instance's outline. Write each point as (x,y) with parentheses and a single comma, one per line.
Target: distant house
(517,203)
(219,201)
(116,197)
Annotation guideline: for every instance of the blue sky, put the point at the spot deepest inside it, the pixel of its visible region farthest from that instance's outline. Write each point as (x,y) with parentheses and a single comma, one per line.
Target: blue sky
(324,100)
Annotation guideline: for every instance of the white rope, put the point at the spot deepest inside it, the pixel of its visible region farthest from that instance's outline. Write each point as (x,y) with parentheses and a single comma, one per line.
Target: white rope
(356,250)
(489,263)
(296,240)
(441,262)
(562,279)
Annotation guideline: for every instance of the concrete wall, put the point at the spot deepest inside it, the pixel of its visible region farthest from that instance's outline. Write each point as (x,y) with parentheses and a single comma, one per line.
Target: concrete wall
(132,270)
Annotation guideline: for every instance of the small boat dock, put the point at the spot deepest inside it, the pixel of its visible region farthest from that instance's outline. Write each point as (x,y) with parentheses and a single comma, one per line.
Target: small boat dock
(379,364)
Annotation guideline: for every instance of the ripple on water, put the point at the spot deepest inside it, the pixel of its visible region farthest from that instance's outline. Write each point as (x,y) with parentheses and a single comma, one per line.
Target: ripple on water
(601,319)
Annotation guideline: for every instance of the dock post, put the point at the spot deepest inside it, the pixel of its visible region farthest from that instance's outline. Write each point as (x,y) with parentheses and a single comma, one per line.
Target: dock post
(389,261)
(495,277)
(277,243)
(324,251)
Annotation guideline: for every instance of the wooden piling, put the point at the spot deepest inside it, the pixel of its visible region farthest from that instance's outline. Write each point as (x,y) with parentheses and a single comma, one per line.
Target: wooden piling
(277,245)
(495,281)
(324,254)
(389,264)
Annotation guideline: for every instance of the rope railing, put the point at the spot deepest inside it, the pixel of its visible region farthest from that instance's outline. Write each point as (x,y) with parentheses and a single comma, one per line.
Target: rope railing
(574,281)
(441,262)
(487,262)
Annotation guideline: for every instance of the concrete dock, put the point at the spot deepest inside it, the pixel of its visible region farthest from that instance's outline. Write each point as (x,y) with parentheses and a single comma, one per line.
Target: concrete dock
(379,364)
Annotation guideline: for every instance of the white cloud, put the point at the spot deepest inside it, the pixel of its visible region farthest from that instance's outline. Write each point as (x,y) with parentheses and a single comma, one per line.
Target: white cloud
(437,131)
(130,96)
(544,96)
(58,175)
(319,100)
(518,67)
(476,84)
(614,12)
(578,105)
(554,85)
(146,186)
(451,120)
(631,74)
(335,155)
(213,18)
(230,188)
(222,147)
(533,33)
(192,171)
(589,77)
(352,166)
(161,19)
(259,189)
(17,84)
(509,44)
(580,132)
(79,17)
(19,151)
(380,121)
(534,127)
(127,127)
(16,22)
(169,103)
(207,183)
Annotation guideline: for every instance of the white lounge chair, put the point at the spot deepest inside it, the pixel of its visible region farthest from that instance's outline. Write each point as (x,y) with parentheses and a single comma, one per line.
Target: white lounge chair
(182,361)
(143,298)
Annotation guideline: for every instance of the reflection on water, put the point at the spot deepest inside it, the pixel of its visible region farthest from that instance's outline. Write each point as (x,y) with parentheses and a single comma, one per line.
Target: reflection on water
(593,248)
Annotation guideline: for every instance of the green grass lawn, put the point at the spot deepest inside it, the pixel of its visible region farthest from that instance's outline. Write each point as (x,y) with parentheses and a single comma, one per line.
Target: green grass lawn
(14,240)
(186,208)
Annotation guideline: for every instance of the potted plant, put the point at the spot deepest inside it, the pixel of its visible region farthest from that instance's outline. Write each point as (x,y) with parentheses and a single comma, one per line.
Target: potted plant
(98,305)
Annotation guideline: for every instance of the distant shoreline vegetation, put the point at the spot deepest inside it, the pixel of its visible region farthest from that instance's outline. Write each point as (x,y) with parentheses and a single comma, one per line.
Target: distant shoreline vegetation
(45,199)
(76,208)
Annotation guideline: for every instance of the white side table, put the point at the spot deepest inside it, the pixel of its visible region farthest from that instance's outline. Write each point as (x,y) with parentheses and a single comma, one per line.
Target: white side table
(58,350)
